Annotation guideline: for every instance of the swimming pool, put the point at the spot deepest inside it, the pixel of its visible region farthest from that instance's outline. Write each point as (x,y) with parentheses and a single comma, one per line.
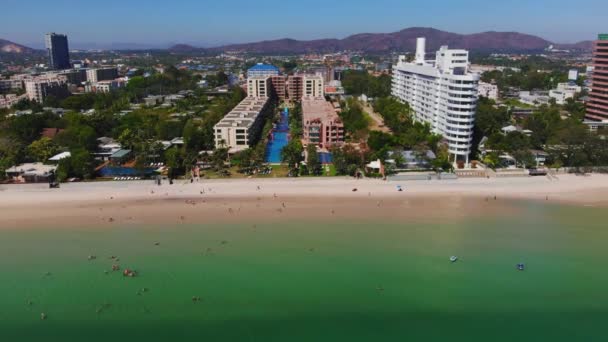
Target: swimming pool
(278,140)
(325,158)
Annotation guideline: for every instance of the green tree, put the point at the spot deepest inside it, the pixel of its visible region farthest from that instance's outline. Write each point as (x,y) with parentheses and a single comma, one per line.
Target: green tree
(354,119)
(292,153)
(312,161)
(42,149)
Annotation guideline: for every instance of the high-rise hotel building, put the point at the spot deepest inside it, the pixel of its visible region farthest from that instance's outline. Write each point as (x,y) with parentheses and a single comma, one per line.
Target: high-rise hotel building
(58,51)
(441,92)
(597,104)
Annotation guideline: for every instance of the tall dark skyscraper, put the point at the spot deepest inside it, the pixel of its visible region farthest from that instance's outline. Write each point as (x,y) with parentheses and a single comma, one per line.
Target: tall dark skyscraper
(57,48)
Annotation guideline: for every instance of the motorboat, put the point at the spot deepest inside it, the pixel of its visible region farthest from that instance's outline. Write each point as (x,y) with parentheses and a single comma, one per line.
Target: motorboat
(453,258)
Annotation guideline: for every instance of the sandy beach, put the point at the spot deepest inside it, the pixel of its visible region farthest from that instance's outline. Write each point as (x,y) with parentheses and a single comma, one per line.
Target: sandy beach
(102,203)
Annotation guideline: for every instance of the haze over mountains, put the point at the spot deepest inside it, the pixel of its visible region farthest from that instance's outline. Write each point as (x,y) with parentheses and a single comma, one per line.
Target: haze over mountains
(403,40)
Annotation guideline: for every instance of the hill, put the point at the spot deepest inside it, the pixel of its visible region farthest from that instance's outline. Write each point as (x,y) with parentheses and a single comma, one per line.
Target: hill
(404,40)
(10,47)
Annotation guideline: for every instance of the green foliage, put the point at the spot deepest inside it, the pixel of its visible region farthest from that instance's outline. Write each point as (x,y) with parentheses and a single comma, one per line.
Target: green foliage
(42,149)
(313,163)
(489,118)
(380,140)
(219,79)
(26,128)
(396,115)
(219,160)
(354,119)
(292,153)
(79,165)
(289,66)
(26,104)
(361,82)
(295,121)
(348,160)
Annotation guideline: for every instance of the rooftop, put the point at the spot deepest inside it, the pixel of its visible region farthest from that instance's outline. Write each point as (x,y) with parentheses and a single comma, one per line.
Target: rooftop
(32,169)
(318,108)
(121,153)
(244,114)
(263,67)
(60,156)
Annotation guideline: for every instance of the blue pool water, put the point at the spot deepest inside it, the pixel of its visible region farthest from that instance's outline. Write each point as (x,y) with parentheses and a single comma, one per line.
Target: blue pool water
(280,138)
(325,158)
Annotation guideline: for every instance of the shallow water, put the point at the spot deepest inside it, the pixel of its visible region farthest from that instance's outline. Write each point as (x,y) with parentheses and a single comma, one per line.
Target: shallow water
(313,281)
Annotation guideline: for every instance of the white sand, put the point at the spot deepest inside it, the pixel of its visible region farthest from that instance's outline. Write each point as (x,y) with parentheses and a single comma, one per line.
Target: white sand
(102,203)
(584,190)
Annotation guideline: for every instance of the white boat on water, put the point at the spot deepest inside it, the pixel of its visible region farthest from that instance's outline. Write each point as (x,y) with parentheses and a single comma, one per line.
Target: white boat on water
(453,258)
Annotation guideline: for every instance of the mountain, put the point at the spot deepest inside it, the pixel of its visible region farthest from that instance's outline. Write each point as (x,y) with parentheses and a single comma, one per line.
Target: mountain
(10,47)
(183,48)
(586,45)
(404,40)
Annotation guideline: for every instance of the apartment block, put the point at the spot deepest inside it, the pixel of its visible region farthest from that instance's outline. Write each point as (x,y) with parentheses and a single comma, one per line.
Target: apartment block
(321,124)
(241,128)
(39,88)
(259,86)
(441,92)
(104,86)
(597,105)
(102,74)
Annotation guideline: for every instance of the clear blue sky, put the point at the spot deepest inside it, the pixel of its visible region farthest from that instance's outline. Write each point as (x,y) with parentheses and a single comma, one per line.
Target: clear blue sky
(204,22)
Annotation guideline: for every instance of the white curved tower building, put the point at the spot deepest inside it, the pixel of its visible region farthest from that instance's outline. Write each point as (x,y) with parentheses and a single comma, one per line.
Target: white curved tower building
(442,93)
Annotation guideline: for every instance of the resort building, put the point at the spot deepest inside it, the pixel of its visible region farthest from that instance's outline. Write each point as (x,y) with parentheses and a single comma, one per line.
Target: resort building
(241,128)
(293,87)
(597,105)
(314,86)
(279,84)
(488,90)
(31,173)
(39,88)
(564,91)
(442,93)
(101,74)
(259,86)
(321,124)
(104,86)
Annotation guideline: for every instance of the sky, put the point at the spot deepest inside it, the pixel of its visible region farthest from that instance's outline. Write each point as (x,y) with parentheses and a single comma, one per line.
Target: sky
(160,23)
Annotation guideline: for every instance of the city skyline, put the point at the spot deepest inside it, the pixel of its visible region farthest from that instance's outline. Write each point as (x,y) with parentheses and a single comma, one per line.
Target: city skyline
(240,21)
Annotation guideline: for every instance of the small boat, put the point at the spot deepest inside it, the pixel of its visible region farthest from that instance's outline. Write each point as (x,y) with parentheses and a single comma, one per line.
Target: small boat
(521,267)
(453,258)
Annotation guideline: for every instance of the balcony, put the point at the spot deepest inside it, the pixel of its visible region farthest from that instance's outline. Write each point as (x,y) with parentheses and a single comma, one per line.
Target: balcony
(596,114)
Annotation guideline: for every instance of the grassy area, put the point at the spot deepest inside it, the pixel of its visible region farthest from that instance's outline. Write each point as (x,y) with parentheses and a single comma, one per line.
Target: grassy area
(277,172)
(332,170)
(517,103)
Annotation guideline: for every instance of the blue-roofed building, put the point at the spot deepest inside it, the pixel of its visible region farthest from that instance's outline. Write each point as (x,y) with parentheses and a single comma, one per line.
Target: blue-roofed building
(263,70)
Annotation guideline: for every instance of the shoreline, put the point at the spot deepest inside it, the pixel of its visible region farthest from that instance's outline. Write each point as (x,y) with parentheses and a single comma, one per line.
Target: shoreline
(271,200)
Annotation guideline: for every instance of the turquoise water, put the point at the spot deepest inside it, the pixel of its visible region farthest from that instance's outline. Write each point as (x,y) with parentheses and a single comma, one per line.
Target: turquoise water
(314,281)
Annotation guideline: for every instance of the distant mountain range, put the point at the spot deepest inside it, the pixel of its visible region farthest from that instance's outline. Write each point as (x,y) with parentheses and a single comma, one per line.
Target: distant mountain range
(404,40)
(10,47)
